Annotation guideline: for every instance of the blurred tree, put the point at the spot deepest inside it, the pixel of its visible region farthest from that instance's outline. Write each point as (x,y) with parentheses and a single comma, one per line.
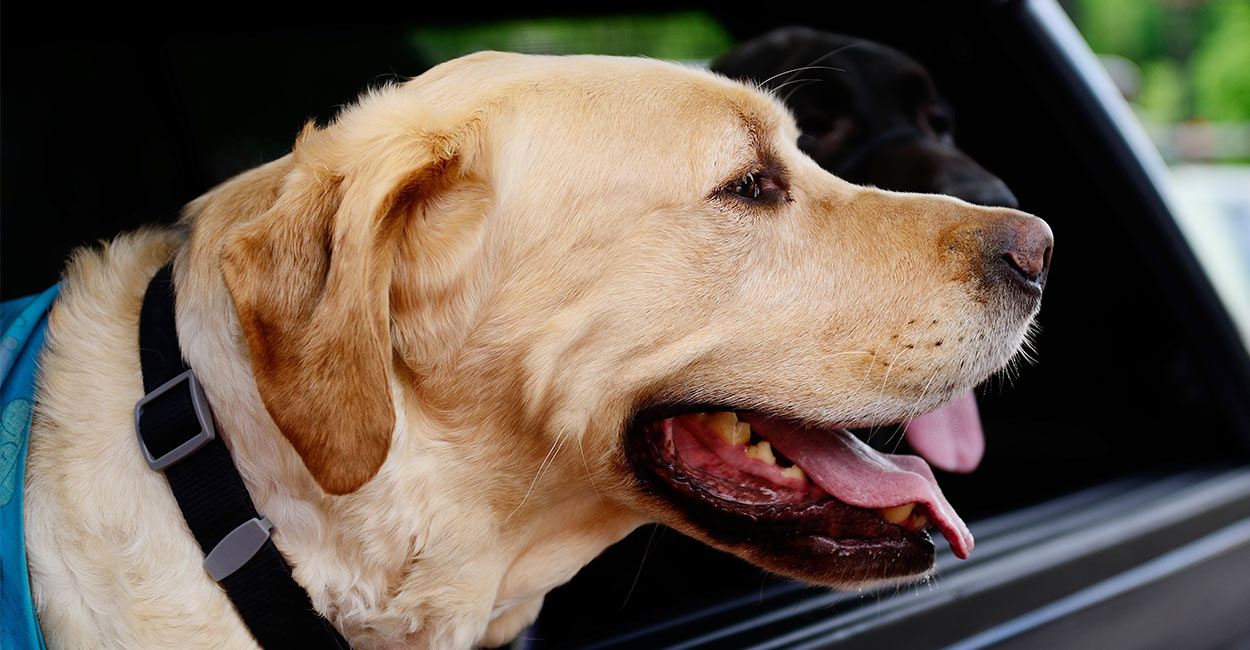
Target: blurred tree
(682,36)
(1194,55)
(1163,91)
(1221,63)
(1130,28)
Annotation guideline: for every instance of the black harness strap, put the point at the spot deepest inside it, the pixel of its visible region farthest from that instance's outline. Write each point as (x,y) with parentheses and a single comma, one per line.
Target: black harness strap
(177,436)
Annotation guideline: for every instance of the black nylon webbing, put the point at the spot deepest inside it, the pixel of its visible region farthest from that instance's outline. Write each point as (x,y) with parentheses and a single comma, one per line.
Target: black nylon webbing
(211,493)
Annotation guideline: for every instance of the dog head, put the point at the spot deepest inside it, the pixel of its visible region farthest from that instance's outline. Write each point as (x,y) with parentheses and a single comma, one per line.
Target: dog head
(500,310)
(866,112)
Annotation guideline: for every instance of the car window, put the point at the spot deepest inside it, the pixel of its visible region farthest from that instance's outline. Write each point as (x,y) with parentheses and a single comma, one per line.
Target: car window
(1182,67)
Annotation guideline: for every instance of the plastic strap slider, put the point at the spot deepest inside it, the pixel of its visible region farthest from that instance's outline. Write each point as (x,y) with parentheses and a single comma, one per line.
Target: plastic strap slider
(237,547)
(203,416)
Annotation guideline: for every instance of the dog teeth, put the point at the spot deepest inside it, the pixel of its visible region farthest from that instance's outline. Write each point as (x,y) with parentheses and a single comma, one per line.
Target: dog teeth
(794,472)
(762,450)
(737,433)
(727,426)
(897,514)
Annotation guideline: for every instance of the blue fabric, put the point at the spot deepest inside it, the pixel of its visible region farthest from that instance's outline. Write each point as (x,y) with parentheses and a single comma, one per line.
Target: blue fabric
(23,322)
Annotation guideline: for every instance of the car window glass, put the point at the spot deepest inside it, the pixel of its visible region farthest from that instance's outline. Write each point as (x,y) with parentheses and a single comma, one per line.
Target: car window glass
(1182,67)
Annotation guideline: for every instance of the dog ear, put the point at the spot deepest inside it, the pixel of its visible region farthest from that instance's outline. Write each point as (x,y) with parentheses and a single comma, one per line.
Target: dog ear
(310,279)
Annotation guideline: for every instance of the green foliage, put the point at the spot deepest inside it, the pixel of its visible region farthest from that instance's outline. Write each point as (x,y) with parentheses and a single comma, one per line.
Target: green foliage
(1130,28)
(1221,65)
(689,36)
(1194,54)
(1163,91)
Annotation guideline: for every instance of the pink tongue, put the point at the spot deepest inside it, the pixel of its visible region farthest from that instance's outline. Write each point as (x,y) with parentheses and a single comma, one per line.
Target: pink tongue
(950,438)
(857,474)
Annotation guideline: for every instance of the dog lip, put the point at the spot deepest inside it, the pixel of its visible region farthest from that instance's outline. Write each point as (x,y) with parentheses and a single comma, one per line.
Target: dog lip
(1032,286)
(647,415)
(663,411)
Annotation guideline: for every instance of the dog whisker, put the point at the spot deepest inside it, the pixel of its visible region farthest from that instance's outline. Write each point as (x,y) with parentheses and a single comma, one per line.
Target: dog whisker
(917,411)
(797,83)
(1028,347)
(924,391)
(590,475)
(790,82)
(895,440)
(867,371)
(763,85)
(889,369)
(646,550)
(541,469)
(811,65)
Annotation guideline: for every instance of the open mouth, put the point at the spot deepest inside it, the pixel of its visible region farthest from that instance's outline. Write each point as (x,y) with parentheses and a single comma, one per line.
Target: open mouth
(815,503)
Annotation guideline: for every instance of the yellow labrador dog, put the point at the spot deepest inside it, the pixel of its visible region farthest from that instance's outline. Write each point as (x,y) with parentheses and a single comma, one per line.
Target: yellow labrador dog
(489,321)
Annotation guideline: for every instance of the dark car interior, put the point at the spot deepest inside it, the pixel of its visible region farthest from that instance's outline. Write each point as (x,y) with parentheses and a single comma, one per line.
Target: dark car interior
(1121,448)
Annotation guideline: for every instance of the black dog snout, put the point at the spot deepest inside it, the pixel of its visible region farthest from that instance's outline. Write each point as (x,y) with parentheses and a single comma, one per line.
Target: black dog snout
(988,191)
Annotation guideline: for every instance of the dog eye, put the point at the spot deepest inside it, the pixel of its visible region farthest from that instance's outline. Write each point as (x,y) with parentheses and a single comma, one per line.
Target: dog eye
(759,187)
(939,123)
(748,187)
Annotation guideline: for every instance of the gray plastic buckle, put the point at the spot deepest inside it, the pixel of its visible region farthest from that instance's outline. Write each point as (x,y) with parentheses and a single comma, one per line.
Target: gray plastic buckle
(236,548)
(203,414)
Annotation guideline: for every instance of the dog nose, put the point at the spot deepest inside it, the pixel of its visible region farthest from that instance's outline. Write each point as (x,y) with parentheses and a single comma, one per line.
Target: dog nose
(1020,247)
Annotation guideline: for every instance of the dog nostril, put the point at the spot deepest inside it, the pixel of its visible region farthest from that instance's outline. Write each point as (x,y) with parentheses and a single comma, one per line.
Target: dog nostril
(1027,264)
(1025,249)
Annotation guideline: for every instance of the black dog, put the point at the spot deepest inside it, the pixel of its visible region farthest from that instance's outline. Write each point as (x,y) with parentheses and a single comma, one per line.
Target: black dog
(871,115)
(868,113)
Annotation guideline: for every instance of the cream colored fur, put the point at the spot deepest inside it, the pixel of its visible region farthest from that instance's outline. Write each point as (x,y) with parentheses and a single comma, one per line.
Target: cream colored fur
(552,249)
